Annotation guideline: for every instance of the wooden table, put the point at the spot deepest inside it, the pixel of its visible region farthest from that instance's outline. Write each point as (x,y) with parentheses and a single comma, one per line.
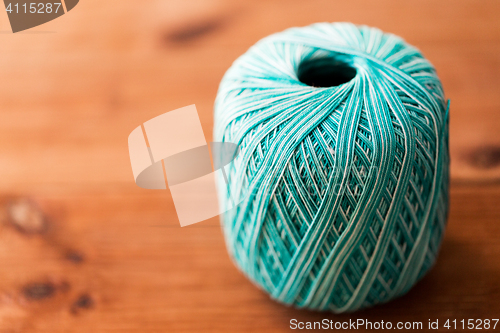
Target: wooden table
(103,255)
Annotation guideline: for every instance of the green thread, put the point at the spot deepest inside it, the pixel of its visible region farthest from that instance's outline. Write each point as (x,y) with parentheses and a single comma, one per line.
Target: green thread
(343,186)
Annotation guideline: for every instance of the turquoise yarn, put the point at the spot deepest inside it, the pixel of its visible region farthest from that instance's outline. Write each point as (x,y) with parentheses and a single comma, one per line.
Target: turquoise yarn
(343,190)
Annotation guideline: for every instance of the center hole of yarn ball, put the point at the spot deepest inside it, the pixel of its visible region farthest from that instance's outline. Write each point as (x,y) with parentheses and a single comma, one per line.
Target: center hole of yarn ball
(325,72)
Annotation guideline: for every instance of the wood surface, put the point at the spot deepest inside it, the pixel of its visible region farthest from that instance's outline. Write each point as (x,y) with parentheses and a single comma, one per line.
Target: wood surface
(83,249)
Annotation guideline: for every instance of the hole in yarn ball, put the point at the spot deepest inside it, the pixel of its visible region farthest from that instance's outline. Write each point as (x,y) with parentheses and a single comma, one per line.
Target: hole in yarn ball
(325,72)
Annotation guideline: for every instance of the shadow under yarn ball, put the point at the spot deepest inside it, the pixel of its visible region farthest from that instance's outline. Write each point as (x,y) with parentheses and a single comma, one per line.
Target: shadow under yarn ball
(342,175)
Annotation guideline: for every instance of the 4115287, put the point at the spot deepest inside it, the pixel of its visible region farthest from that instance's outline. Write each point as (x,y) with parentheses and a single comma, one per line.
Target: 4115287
(34,8)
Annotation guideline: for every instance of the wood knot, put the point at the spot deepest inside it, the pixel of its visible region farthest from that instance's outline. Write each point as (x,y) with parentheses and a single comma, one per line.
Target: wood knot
(84,302)
(26,216)
(39,290)
(74,256)
(192,32)
(486,157)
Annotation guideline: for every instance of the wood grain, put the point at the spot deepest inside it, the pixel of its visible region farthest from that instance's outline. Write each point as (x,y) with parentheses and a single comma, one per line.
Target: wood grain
(110,256)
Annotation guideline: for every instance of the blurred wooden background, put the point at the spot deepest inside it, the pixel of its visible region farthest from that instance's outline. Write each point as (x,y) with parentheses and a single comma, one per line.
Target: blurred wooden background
(83,249)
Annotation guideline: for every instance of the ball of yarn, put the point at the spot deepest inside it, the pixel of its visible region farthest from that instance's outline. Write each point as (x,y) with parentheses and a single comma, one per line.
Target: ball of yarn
(342,175)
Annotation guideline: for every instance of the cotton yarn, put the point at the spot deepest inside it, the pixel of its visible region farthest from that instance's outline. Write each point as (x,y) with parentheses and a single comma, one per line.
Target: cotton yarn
(342,175)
